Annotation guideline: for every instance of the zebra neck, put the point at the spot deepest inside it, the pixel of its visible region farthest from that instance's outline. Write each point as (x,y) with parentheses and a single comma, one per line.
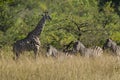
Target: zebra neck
(82,50)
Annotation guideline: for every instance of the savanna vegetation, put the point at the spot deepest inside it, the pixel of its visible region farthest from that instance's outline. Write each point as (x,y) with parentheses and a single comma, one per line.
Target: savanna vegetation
(90,21)
(75,68)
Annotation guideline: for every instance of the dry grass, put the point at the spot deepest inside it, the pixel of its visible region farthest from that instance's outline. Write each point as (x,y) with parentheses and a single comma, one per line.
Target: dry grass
(63,68)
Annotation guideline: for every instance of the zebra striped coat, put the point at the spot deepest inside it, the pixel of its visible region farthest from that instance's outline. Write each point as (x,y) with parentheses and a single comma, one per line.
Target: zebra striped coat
(51,51)
(112,46)
(87,52)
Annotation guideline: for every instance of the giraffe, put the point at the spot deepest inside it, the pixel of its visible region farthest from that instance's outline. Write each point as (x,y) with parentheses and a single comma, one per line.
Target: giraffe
(31,42)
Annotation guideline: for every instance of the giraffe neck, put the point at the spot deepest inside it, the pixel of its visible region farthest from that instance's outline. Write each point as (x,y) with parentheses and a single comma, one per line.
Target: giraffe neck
(37,31)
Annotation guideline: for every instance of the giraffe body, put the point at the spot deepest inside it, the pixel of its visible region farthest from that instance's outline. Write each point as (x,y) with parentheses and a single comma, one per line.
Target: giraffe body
(31,42)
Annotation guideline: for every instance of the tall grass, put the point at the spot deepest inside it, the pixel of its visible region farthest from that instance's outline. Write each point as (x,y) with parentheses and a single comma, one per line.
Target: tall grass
(106,67)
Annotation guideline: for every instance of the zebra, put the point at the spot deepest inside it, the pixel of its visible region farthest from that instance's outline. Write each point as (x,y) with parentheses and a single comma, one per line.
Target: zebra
(67,49)
(87,52)
(110,44)
(69,52)
(51,51)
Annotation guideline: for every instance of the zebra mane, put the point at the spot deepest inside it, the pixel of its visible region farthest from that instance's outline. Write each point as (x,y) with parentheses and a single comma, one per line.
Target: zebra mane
(112,42)
(81,45)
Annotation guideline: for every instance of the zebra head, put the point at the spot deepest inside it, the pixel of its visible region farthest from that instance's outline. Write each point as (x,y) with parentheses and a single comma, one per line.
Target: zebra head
(78,46)
(51,51)
(109,44)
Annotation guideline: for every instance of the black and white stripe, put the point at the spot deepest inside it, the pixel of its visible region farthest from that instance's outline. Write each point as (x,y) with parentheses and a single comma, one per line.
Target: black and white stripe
(112,46)
(51,51)
(87,52)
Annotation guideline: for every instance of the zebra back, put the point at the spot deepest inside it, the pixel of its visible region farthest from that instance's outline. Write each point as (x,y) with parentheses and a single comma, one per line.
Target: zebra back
(97,51)
(93,52)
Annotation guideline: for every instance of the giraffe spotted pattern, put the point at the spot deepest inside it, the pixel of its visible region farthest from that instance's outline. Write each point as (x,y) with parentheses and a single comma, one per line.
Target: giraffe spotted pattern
(31,41)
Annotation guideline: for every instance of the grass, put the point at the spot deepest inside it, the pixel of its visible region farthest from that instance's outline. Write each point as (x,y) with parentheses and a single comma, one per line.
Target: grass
(106,67)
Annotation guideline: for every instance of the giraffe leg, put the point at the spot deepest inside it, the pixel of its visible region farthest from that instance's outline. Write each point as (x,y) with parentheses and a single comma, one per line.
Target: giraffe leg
(36,50)
(16,56)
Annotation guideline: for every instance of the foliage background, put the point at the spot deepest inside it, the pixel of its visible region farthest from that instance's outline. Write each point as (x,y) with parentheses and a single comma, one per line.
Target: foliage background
(91,21)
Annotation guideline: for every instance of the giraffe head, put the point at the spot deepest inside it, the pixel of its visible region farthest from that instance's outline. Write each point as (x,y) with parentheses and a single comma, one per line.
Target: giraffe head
(47,16)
